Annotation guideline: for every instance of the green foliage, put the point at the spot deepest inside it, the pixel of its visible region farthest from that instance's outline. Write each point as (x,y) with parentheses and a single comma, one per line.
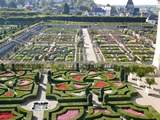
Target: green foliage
(141,72)
(122,73)
(37,77)
(12,4)
(150,81)
(13,68)
(3,3)
(101,94)
(2,67)
(89,99)
(66,9)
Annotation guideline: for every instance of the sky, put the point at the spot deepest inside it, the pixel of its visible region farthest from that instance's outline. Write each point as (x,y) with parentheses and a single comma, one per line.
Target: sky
(123,2)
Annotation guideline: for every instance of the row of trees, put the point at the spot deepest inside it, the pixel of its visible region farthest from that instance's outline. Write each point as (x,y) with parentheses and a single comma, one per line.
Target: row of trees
(9,3)
(143,71)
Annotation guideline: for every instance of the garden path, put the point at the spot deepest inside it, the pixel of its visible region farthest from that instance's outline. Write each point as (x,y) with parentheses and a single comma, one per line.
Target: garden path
(144,99)
(91,56)
(41,97)
(97,50)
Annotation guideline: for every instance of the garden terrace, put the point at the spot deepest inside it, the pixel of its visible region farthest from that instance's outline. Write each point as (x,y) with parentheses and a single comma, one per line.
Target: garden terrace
(114,97)
(19,39)
(17,86)
(53,44)
(120,47)
(8,30)
(143,52)
(111,50)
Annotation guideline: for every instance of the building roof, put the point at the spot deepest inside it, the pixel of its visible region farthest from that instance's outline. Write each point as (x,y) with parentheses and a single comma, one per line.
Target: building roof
(130,2)
(153,17)
(98,9)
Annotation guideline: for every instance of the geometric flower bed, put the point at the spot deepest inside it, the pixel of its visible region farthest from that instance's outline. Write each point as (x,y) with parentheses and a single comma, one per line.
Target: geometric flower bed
(71,90)
(65,113)
(17,85)
(13,112)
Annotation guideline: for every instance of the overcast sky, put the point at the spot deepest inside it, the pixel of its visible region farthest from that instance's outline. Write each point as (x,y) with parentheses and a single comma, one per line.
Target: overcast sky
(123,2)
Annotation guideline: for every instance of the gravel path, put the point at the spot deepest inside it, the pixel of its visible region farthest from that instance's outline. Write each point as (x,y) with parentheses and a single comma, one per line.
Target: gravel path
(91,56)
(41,97)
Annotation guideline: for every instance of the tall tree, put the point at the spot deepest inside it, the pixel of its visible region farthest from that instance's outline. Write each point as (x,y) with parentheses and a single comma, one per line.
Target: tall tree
(66,9)
(3,3)
(12,4)
(22,2)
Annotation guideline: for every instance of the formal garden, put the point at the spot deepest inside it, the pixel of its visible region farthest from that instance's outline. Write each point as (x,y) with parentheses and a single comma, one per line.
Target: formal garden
(118,46)
(112,51)
(17,85)
(14,112)
(141,52)
(53,44)
(71,87)
(96,94)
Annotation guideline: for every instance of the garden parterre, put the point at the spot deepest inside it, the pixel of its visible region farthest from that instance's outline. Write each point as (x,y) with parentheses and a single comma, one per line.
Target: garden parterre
(72,90)
(17,85)
(53,44)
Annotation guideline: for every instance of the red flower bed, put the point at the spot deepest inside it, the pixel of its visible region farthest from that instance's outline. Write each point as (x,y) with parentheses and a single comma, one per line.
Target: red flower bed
(100,84)
(134,112)
(9,94)
(77,77)
(6,116)
(62,86)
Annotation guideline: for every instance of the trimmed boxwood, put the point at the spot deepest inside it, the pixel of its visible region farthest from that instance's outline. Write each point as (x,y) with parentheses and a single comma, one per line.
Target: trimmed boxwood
(148,113)
(17,110)
(52,114)
(21,99)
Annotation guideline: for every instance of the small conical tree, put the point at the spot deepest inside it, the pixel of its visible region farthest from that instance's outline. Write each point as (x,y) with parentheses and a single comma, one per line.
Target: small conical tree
(49,76)
(77,67)
(87,91)
(89,99)
(37,78)
(122,73)
(101,94)
(13,68)
(66,9)
(2,67)
(126,77)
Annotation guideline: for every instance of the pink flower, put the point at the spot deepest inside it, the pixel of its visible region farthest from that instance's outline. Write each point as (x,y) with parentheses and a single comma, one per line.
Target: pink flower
(68,115)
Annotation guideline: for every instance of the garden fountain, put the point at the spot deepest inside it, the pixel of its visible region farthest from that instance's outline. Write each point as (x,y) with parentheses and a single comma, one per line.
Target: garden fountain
(156,60)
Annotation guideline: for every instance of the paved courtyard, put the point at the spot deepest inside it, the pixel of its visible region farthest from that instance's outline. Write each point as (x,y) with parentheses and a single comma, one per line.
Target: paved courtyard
(153,99)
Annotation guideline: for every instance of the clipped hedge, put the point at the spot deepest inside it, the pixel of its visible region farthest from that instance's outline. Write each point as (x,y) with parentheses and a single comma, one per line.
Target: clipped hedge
(52,114)
(32,95)
(149,112)
(18,111)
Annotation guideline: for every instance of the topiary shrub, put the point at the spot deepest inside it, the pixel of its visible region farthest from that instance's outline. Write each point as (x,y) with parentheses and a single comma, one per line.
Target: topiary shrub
(89,99)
